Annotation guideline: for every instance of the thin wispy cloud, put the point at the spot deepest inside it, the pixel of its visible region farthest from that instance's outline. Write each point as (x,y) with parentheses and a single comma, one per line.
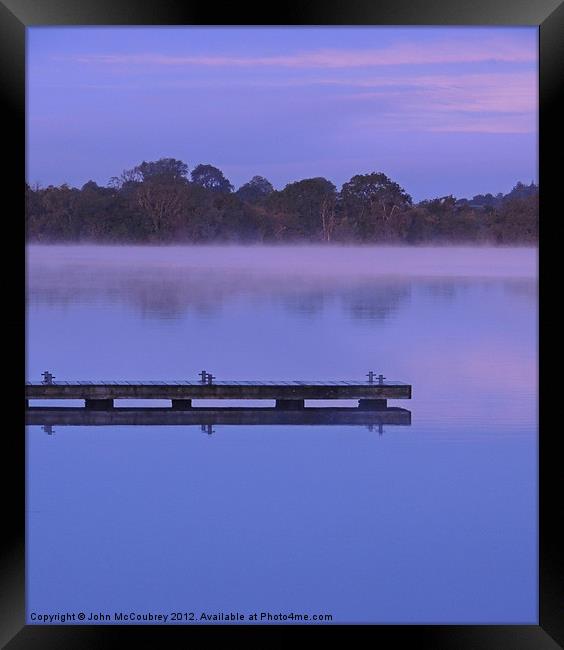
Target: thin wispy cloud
(508,125)
(401,54)
(419,121)
(499,92)
(517,89)
(482,103)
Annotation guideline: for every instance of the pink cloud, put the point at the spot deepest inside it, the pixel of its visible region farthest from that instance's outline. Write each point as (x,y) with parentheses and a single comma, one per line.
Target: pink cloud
(492,92)
(434,122)
(501,50)
(505,125)
(485,102)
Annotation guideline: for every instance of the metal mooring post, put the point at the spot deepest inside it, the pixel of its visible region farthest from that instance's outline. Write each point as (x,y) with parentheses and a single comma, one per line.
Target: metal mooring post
(210,378)
(47,377)
(370,376)
(203,376)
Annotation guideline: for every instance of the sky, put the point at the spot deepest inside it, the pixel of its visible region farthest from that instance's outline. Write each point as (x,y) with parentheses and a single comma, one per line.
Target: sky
(440,110)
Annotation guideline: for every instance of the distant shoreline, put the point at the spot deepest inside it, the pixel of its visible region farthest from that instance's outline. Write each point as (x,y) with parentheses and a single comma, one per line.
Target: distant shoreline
(282,244)
(156,203)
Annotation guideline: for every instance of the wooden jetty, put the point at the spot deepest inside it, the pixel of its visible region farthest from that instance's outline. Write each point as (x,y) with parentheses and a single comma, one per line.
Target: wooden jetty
(205,416)
(287,395)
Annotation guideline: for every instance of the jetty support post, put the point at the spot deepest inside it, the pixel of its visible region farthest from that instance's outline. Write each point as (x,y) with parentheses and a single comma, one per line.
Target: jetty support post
(181,404)
(290,404)
(99,404)
(373,404)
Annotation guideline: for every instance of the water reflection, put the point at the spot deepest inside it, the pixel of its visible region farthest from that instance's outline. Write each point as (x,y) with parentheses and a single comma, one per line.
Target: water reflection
(169,294)
(206,295)
(208,417)
(376,303)
(209,429)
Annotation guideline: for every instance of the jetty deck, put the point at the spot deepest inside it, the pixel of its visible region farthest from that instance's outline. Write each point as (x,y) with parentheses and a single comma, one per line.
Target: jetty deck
(288,395)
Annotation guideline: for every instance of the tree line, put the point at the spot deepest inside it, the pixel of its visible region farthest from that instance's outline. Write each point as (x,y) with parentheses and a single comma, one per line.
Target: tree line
(163,201)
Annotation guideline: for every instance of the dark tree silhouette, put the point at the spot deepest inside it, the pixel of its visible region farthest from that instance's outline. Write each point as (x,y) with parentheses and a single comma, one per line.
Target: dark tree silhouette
(307,208)
(211,178)
(155,202)
(371,201)
(255,190)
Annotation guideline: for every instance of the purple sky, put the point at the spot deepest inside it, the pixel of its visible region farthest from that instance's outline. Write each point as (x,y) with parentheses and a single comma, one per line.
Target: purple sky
(441,110)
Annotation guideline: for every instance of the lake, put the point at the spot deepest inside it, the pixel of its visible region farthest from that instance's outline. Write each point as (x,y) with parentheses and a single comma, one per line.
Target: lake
(435,522)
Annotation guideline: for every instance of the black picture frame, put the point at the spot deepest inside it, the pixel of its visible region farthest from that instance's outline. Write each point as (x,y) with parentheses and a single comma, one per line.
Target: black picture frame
(15,17)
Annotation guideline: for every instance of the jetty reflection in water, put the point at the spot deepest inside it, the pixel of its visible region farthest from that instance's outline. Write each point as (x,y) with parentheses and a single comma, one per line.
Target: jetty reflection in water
(210,417)
(210,429)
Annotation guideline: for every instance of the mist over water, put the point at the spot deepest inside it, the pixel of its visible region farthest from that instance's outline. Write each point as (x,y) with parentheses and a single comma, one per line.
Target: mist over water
(306,261)
(431,523)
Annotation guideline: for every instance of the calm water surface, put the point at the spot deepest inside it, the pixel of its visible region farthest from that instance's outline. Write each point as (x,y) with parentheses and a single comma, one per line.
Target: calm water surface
(430,523)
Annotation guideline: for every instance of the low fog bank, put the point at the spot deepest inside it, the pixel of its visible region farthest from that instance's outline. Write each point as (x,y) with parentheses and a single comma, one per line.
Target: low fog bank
(304,261)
